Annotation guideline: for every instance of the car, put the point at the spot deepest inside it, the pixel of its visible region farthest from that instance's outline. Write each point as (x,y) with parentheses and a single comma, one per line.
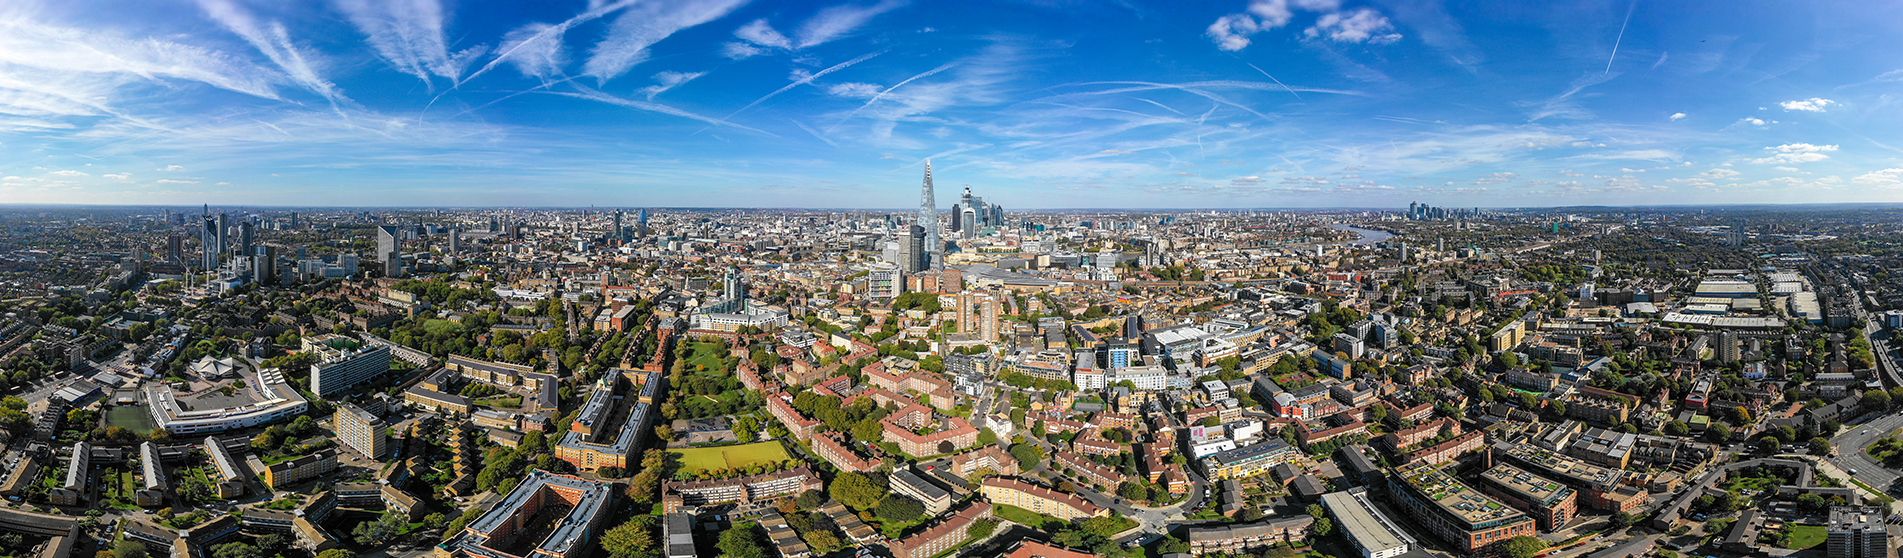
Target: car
(1853,471)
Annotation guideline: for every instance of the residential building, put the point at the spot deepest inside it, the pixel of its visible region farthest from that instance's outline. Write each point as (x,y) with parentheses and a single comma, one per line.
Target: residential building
(344,363)
(943,536)
(153,485)
(279,401)
(755,488)
(595,440)
(906,483)
(360,430)
(1242,539)
(1370,531)
(1014,492)
(569,512)
(1550,503)
(300,469)
(1857,532)
(1247,461)
(1469,520)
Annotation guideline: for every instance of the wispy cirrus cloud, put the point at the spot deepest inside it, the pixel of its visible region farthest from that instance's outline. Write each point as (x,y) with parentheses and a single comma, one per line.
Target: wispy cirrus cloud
(669,80)
(837,21)
(644,24)
(409,35)
(274,41)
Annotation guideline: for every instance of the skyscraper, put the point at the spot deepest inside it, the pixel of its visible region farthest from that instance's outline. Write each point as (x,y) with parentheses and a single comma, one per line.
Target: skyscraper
(644,221)
(617,230)
(928,218)
(456,240)
(244,238)
(175,249)
(389,256)
(913,254)
(224,233)
(970,217)
(264,265)
(208,241)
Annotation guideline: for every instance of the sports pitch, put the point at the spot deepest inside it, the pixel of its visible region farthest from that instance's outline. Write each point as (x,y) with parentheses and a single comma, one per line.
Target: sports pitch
(731,457)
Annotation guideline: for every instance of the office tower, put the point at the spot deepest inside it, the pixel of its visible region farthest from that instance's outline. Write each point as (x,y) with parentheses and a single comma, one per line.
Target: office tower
(175,248)
(389,256)
(224,233)
(244,238)
(348,262)
(265,263)
(928,219)
(643,220)
(456,241)
(360,430)
(617,229)
(293,220)
(970,217)
(208,243)
(957,219)
(914,253)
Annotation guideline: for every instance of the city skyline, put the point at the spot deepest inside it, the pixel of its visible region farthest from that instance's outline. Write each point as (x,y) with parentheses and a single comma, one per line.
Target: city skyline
(1265,103)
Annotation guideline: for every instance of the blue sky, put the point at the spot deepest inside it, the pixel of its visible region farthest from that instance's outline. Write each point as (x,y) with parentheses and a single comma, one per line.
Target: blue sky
(1031,103)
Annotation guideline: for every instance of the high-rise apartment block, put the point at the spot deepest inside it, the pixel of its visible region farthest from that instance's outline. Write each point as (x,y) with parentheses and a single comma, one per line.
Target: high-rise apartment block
(1857,532)
(361,430)
(344,363)
(389,253)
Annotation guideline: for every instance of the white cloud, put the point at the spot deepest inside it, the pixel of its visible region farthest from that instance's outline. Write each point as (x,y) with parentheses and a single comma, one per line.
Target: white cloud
(856,90)
(1812,104)
(670,80)
(1678,116)
(1495,178)
(1717,174)
(762,34)
(1246,181)
(172,168)
(1802,148)
(120,176)
(408,34)
(837,21)
(1753,121)
(1791,158)
(1359,26)
(68,173)
(1231,32)
(738,51)
(1885,177)
(170,181)
(645,24)
(274,40)
(1788,169)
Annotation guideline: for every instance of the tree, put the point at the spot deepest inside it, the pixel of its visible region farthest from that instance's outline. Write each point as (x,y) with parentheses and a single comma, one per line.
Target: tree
(897,508)
(979,529)
(858,491)
(742,541)
(1028,456)
(1876,400)
(1811,502)
(1523,546)
(1719,433)
(1740,416)
(1769,443)
(1819,445)
(633,539)
(1621,520)
(1322,527)
(1132,491)
(235,550)
(1317,511)
(128,549)
(611,472)
(1677,428)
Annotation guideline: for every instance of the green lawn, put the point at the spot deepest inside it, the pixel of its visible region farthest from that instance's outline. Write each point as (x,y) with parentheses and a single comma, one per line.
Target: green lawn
(708,356)
(1806,536)
(506,401)
(725,457)
(1023,516)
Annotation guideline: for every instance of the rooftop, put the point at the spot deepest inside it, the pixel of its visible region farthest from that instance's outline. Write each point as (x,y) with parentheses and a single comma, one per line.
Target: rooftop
(1526,485)
(1457,499)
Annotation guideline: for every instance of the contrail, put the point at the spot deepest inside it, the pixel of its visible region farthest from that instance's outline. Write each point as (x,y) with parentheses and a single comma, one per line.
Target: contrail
(1277,81)
(875,98)
(1621,37)
(553,30)
(815,133)
(806,80)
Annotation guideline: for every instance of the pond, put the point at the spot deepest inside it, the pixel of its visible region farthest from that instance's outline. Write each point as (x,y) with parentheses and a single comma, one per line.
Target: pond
(133,417)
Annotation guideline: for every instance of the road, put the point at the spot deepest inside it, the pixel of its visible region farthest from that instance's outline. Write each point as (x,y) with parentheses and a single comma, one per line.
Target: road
(1855,437)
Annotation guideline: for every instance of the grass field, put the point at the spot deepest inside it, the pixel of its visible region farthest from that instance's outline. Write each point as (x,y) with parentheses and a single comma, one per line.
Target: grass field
(706,356)
(1806,536)
(724,457)
(1024,517)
